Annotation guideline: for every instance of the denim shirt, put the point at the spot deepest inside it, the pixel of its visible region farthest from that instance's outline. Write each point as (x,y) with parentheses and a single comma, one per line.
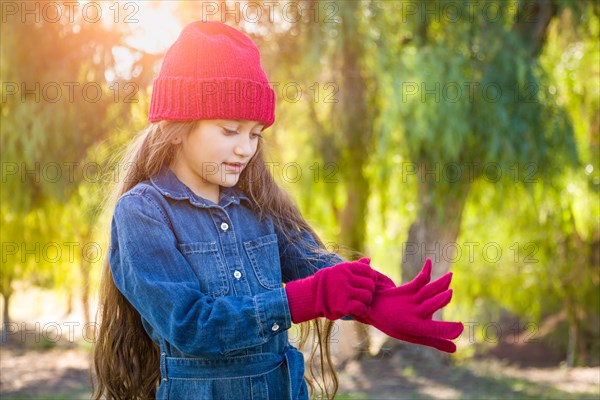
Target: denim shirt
(207,280)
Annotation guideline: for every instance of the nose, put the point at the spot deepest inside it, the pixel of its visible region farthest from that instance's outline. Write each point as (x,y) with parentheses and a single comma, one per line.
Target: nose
(244,146)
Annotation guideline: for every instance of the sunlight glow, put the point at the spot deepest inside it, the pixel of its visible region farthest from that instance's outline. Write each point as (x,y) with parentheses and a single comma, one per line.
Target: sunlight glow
(157,27)
(153,27)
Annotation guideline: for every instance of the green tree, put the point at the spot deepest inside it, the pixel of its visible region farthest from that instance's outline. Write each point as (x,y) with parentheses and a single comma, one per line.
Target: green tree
(57,102)
(485,107)
(549,270)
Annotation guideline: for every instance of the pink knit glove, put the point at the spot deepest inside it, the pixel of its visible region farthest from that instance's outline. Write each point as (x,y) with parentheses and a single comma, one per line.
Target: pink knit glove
(381,281)
(343,289)
(405,312)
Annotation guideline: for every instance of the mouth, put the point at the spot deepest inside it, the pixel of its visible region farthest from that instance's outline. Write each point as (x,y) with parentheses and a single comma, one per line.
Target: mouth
(234,167)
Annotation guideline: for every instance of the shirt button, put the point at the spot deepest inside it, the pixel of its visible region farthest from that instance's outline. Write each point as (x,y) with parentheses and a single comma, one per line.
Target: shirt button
(166,193)
(237,274)
(165,379)
(275,327)
(224,226)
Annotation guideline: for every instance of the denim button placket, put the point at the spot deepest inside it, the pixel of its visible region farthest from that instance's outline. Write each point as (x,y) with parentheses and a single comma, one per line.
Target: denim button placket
(194,219)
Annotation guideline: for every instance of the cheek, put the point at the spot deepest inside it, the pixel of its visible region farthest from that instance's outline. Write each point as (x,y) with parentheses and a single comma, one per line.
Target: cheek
(255,148)
(192,157)
(193,153)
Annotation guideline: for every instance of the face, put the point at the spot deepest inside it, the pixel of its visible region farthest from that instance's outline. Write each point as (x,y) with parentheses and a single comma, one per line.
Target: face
(215,153)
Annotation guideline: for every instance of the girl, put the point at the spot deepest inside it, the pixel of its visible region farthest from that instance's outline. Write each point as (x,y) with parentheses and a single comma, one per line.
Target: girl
(192,301)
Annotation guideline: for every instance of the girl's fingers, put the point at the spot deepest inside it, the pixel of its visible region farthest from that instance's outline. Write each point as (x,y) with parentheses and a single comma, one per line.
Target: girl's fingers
(443,329)
(435,287)
(362,295)
(383,282)
(360,269)
(360,282)
(439,344)
(359,309)
(433,304)
(421,280)
(449,330)
(437,329)
(365,260)
(453,329)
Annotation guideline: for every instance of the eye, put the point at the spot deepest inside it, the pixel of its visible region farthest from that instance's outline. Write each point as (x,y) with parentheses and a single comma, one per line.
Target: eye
(230,131)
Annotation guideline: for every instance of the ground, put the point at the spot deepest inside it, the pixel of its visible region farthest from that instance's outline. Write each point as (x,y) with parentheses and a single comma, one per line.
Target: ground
(62,372)
(37,366)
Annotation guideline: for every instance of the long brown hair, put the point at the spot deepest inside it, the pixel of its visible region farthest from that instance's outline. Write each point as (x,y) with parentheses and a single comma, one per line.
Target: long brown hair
(125,359)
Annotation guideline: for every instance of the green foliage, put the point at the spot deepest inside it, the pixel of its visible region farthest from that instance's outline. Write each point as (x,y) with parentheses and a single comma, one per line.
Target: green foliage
(549,241)
(57,104)
(438,92)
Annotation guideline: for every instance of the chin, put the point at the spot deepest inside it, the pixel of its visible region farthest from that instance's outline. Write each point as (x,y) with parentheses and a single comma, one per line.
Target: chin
(229,182)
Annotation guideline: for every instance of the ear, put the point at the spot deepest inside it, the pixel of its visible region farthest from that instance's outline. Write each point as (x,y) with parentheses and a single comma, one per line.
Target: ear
(175,139)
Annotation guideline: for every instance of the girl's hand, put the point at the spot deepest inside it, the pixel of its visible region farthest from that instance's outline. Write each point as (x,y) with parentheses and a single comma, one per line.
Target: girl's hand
(405,312)
(382,281)
(343,289)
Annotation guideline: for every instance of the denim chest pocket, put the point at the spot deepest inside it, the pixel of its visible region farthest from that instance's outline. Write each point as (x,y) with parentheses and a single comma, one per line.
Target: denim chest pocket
(207,263)
(263,253)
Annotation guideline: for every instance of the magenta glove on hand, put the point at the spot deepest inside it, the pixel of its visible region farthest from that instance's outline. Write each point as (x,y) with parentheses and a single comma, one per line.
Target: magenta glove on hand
(405,312)
(333,292)
(381,281)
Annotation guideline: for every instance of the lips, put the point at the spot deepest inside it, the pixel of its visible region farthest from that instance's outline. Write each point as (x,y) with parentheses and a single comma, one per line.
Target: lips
(235,167)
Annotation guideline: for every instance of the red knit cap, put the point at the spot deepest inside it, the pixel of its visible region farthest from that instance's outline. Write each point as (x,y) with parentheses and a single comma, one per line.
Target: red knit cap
(212,71)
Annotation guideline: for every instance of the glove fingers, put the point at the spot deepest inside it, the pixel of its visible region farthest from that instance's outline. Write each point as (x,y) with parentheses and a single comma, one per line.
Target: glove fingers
(358,309)
(438,329)
(448,330)
(362,295)
(360,269)
(421,279)
(365,260)
(360,282)
(435,303)
(452,330)
(383,282)
(439,344)
(435,287)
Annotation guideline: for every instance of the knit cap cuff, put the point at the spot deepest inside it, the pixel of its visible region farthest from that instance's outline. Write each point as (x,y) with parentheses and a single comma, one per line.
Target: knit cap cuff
(185,98)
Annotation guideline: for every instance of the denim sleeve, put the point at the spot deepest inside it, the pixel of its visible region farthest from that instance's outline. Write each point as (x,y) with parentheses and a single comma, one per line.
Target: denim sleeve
(157,280)
(298,262)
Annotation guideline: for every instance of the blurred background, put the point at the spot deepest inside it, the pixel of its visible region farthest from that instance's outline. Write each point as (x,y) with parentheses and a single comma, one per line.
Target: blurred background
(462,131)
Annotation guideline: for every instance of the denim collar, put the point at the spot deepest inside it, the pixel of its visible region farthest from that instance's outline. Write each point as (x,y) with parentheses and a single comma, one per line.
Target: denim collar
(170,186)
